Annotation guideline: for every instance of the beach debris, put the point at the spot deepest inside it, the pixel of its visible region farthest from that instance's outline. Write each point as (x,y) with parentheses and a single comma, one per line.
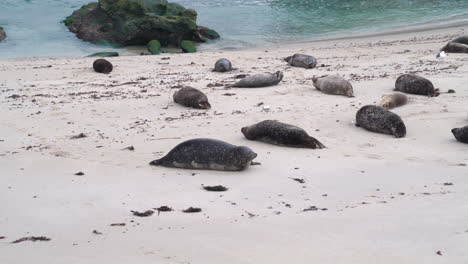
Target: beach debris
(313,208)
(439,253)
(255,163)
(298,180)
(80,135)
(192,210)
(251,215)
(216,188)
(2,237)
(448,183)
(228,94)
(96,232)
(266,108)
(163,208)
(31,238)
(79,173)
(143,214)
(129,148)
(441,54)
(118,224)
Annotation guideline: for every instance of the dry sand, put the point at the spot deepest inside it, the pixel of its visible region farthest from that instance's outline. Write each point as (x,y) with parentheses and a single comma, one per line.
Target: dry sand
(387,200)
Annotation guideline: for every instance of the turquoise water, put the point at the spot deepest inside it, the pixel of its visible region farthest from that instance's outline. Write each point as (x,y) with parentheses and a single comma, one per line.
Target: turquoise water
(34,29)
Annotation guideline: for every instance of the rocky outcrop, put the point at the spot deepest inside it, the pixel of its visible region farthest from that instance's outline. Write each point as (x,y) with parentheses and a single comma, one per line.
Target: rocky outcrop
(188,46)
(136,22)
(2,34)
(154,47)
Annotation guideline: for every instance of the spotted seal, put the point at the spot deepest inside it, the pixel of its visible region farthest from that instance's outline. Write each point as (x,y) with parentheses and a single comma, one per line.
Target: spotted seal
(259,80)
(277,133)
(102,66)
(223,65)
(414,84)
(380,120)
(457,45)
(191,97)
(301,60)
(333,84)
(390,101)
(461,134)
(208,154)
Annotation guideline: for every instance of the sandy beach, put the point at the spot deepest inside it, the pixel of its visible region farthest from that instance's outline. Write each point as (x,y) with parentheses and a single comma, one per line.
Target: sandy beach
(378,199)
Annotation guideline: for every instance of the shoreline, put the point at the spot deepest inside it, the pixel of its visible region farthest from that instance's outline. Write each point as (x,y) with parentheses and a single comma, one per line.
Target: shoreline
(382,200)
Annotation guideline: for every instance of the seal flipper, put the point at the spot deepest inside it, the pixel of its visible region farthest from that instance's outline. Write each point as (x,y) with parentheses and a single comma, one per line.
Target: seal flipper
(313,143)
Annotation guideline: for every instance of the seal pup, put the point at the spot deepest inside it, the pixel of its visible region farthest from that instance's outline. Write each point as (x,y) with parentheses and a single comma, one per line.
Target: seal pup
(259,80)
(223,65)
(207,154)
(333,84)
(191,97)
(380,120)
(414,84)
(461,134)
(390,101)
(301,60)
(277,133)
(102,66)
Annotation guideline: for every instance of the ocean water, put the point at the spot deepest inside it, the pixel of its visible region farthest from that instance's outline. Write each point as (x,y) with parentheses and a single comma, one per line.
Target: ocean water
(34,27)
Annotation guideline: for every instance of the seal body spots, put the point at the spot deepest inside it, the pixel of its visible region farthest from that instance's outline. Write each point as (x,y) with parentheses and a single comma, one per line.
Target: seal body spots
(102,66)
(277,133)
(390,101)
(191,97)
(334,85)
(222,65)
(461,134)
(380,120)
(208,154)
(259,80)
(414,84)
(301,60)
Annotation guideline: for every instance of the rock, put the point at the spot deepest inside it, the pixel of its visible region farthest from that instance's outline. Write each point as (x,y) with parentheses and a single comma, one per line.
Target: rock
(188,46)
(2,34)
(154,47)
(104,54)
(136,22)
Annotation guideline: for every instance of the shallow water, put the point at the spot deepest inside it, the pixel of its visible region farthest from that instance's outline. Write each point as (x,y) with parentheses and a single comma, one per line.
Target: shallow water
(34,27)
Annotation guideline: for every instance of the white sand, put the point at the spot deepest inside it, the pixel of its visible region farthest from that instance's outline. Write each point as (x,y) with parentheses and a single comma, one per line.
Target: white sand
(386,198)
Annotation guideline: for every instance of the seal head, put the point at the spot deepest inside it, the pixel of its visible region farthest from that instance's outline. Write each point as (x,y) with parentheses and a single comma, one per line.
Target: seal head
(461,134)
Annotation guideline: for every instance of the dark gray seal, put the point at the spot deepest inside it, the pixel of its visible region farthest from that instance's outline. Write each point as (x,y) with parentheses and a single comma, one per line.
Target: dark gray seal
(259,80)
(223,65)
(380,120)
(453,47)
(2,34)
(102,66)
(207,154)
(334,84)
(414,84)
(191,97)
(277,133)
(461,134)
(301,60)
(390,101)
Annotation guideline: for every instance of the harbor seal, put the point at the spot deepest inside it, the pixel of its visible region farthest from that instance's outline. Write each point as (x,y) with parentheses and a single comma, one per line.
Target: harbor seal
(461,134)
(259,80)
(102,66)
(453,47)
(207,154)
(380,120)
(414,84)
(223,65)
(333,84)
(390,101)
(191,97)
(301,60)
(277,133)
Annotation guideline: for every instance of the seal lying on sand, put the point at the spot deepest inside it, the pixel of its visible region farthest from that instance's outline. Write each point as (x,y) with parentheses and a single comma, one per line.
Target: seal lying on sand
(102,66)
(208,154)
(259,80)
(301,60)
(461,134)
(277,133)
(333,85)
(380,120)
(223,65)
(414,84)
(191,97)
(390,101)
(458,45)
